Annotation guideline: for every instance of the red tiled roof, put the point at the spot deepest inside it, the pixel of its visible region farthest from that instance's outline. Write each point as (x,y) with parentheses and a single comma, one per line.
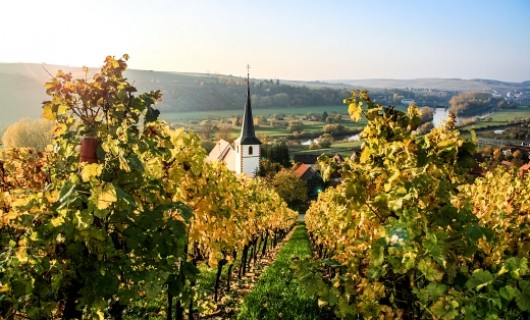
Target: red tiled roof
(301,170)
(507,163)
(524,169)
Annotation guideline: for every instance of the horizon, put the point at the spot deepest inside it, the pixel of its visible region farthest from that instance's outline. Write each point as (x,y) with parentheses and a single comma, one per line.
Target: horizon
(292,41)
(332,81)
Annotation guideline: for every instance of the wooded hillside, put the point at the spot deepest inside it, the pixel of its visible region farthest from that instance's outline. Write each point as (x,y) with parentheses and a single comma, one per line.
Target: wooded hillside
(22,93)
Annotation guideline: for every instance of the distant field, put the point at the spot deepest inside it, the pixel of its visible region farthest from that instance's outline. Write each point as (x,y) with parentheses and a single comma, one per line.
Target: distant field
(509,115)
(287,111)
(272,132)
(347,144)
(202,115)
(502,118)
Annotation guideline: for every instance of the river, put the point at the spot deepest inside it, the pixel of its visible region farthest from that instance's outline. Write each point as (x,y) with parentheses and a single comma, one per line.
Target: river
(439,116)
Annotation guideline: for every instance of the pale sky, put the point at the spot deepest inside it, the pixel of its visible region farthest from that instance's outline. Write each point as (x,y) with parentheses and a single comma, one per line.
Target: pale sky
(280,39)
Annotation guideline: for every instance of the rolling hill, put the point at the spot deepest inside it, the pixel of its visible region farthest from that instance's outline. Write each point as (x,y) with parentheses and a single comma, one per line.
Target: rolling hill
(22,89)
(481,85)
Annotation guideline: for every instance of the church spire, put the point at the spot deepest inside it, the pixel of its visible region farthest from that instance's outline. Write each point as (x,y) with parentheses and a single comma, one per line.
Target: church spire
(248,134)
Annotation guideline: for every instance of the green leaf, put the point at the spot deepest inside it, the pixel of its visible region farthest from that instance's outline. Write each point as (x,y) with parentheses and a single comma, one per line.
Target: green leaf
(445,309)
(83,219)
(516,267)
(123,196)
(433,247)
(523,298)
(175,286)
(429,270)
(508,292)
(436,290)
(373,273)
(378,251)
(65,195)
(66,190)
(479,279)
(151,115)
(185,211)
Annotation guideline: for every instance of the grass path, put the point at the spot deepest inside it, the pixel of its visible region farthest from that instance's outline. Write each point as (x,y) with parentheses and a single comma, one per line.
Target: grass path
(278,294)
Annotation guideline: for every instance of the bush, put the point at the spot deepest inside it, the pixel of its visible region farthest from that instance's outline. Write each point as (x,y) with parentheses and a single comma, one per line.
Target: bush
(334,129)
(30,133)
(325,141)
(295,126)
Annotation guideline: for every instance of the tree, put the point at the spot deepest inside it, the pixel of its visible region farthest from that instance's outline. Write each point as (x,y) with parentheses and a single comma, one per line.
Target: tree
(264,138)
(224,132)
(472,103)
(313,145)
(295,125)
(35,134)
(311,116)
(517,157)
(277,152)
(324,141)
(497,154)
(427,114)
(265,101)
(236,121)
(425,127)
(206,129)
(290,188)
(334,129)
(260,120)
(280,100)
(324,116)
(487,151)
(268,169)
(208,145)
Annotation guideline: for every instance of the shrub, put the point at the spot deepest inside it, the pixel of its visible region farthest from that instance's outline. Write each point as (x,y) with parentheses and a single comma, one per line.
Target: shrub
(30,133)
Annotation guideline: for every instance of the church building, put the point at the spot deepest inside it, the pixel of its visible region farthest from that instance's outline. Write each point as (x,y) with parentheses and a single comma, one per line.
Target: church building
(243,156)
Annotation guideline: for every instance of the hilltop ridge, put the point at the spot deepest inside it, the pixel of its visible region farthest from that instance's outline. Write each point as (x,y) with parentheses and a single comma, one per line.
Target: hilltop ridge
(449,84)
(22,89)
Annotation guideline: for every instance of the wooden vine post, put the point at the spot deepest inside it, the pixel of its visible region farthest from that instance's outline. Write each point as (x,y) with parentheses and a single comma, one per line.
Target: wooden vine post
(88,150)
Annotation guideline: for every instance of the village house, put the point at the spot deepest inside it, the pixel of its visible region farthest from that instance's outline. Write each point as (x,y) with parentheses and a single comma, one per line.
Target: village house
(312,179)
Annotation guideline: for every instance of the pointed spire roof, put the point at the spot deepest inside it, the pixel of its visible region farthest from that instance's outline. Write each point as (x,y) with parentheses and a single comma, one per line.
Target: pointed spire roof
(248,134)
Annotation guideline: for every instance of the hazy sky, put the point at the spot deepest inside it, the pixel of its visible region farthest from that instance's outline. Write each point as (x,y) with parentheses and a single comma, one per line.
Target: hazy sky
(285,39)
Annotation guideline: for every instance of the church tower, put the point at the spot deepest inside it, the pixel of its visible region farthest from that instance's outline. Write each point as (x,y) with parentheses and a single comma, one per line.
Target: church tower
(247,146)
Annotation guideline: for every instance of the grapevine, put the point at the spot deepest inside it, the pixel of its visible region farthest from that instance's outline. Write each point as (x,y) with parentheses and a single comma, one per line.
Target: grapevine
(100,233)
(407,233)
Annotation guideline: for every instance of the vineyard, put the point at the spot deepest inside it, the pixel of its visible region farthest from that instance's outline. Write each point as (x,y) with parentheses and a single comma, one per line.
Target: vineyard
(122,213)
(122,218)
(410,234)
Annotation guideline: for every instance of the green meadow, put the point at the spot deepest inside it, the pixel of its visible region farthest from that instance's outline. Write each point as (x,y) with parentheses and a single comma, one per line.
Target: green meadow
(219,114)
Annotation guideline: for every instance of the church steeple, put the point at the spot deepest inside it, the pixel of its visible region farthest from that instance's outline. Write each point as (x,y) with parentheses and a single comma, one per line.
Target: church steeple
(243,156)
(248,134)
